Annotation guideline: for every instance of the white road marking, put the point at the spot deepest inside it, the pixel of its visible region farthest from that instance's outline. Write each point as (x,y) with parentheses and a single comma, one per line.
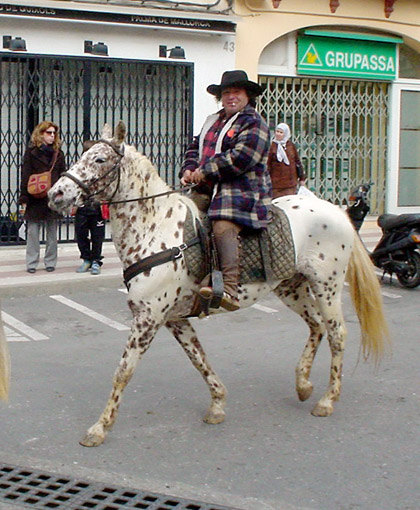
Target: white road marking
(390,294)
(23,328)
(90,313)
(14,336)
(265,309)
(124,291)
(384,293)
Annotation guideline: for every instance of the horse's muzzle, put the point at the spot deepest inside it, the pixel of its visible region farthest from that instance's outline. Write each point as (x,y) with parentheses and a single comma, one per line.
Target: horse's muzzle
(58,200)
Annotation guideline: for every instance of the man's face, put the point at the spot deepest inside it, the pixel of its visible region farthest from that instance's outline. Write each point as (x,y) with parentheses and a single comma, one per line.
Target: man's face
(234,99)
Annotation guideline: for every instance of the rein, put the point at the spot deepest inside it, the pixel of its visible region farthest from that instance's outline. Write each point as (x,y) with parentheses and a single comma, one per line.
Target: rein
(181,189)
(157,259)
(120,153)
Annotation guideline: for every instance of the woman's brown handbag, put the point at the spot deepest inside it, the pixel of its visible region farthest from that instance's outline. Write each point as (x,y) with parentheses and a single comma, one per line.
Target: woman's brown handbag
(40,184)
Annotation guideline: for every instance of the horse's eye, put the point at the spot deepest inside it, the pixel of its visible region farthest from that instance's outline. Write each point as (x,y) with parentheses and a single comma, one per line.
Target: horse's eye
(99,160)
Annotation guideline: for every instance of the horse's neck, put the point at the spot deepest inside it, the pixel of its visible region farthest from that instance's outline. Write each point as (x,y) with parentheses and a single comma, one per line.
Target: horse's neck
(139,178)
(140,226)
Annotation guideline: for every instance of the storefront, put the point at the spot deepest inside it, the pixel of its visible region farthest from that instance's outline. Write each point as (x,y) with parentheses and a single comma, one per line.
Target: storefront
(349,91)
(103,63)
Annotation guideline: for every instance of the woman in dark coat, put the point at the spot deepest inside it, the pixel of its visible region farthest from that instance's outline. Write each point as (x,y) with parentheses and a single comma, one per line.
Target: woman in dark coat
(284,164)
(39,158)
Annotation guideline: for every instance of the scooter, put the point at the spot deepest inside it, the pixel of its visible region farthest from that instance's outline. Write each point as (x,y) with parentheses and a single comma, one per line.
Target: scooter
(397,250)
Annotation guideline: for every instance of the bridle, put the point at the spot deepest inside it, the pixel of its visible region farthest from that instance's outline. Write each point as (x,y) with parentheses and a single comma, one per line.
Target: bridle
(117,167)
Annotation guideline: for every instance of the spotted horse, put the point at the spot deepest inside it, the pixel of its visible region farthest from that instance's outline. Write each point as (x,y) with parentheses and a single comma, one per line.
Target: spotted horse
(146,219)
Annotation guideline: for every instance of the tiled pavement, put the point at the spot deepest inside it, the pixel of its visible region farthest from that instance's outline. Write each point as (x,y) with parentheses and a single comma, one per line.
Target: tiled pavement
(15,281)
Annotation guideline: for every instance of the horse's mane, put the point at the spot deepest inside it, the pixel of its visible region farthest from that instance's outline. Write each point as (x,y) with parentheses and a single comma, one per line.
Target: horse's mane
(139,158)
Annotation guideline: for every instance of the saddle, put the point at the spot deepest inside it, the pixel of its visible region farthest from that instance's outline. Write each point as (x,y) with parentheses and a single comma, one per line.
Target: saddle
(265,255)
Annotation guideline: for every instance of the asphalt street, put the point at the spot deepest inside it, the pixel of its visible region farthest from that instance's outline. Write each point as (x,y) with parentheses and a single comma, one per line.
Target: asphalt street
(269,454)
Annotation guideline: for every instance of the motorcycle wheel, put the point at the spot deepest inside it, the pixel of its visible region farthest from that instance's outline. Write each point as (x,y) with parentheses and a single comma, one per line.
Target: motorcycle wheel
(411,279)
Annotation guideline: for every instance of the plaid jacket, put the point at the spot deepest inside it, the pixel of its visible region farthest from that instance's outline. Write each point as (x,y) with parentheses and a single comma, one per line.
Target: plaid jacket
(238,169)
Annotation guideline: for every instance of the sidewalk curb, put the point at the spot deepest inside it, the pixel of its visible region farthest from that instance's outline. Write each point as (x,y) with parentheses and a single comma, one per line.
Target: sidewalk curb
(56,287)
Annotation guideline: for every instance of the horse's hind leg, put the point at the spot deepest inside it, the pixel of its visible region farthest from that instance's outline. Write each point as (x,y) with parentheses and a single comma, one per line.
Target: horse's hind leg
(142,333)
(329,302)
(187,338)
(298,297)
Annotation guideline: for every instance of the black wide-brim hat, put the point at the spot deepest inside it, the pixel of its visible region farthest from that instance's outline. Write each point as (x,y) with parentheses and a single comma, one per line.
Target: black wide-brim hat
(235,79)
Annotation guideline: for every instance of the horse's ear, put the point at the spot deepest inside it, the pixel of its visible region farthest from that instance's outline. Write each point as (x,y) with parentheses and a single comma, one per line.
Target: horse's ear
(120,133)
(106,132)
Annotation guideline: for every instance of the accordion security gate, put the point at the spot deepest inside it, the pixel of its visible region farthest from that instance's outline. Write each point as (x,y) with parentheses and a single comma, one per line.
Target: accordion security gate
(154,100)
(340,129)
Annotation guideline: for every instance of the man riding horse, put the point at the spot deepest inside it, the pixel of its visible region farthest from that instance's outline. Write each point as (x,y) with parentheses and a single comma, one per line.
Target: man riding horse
(228,159)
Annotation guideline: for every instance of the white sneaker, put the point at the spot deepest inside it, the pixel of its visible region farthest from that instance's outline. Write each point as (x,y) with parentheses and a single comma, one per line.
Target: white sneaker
(84,267)
(95,268)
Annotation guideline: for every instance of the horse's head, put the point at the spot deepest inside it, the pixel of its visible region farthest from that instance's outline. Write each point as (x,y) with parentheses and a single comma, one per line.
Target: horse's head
(95,175)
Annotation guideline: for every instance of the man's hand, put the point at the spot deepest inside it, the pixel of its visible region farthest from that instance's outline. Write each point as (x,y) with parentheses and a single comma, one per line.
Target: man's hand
(192,177)
(186,178)
(197,176)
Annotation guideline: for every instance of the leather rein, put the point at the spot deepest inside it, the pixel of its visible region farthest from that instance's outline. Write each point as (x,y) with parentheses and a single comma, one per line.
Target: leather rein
(117,166)
(156,259)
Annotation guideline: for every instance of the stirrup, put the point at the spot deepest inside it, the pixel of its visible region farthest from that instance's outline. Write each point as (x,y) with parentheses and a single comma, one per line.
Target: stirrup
(229,303)
(206,293)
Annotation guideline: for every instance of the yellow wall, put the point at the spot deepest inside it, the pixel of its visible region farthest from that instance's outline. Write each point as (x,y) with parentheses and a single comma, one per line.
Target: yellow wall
(259,23)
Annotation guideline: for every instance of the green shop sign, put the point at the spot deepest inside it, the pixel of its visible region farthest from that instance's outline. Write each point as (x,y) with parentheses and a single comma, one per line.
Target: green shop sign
(350,58)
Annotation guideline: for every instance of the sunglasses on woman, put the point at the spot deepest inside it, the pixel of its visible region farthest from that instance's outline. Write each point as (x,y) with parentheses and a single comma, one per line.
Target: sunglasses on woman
(50,132)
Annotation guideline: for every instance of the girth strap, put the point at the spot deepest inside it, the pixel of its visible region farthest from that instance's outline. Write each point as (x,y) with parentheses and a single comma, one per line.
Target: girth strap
(157,259)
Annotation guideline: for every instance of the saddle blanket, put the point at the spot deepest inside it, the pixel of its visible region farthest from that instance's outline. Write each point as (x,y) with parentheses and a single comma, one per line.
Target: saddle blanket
(265,255)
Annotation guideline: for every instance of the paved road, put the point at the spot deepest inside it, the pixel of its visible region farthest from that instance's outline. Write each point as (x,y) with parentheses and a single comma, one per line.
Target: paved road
(270,453)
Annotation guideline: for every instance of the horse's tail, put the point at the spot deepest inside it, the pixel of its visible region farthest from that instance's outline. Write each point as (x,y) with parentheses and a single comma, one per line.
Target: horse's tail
(4,364)
(366,295)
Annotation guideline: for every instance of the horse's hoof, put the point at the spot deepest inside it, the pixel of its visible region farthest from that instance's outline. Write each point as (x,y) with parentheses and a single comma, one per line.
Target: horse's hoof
(92,440)
(322,410)
(213,418)
(304,391)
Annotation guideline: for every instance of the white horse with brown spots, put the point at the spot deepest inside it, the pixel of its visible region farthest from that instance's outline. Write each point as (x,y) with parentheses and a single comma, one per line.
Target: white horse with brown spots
(326,248)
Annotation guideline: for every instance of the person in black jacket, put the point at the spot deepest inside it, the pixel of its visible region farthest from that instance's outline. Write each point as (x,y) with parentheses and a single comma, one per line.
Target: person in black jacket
(89,220)
(43,149)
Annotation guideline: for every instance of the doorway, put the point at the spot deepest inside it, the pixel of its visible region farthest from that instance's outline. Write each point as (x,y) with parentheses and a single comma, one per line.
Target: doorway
(340,130)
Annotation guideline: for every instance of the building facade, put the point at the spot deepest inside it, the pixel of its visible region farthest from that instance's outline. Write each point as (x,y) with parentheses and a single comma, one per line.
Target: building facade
(346,76)
(89,63)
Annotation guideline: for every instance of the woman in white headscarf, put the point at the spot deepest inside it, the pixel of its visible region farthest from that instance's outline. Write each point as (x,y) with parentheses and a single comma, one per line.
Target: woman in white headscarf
(284,165)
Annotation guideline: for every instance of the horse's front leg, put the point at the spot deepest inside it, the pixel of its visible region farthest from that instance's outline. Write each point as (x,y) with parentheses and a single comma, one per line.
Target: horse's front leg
(143,330)
(187,338)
